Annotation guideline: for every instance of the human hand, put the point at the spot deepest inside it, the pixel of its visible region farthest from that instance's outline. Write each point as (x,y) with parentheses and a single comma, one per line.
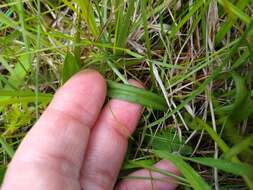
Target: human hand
(77,144)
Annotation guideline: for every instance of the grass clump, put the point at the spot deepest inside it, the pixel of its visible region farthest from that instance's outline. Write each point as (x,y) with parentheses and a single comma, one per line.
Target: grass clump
(195,57)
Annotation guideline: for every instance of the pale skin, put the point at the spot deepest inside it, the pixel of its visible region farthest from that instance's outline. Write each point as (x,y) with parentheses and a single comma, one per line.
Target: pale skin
(80,143)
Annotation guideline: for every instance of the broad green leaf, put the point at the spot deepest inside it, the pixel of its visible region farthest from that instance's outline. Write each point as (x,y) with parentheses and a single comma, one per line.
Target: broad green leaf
(69,68)
(136,95)
(196,181)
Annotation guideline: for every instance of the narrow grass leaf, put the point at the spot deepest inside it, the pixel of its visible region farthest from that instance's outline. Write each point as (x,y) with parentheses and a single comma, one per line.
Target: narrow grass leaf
(195,180)
(198,124)
(124,20)
(148,164)
(4,92)
(241,4)
(225,165)
(136,95)
(88,15)
(2,173)
(137,164)
(195,7)
(232,9)
(7,21)
(238,148)
(20,71)
(7,148)
(69,68)
(166,140)
(8,97)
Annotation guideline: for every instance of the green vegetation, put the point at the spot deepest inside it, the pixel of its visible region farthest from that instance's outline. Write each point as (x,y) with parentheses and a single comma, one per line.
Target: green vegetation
(194,57)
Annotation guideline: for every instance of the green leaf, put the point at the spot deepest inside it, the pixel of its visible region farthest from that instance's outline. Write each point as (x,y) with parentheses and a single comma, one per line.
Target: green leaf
(7,21)
(7,148)
(240,147)
(232,9)
(242,109)
(124,21)
(196,181)
(88,15)
(243,104)
(8,97)
(225,165)
(12,93)
(137,164)
(149,165)
(197,124)
(166,140)
(192,10)
(69,68)
(241,4)
(136,95)
(2,173)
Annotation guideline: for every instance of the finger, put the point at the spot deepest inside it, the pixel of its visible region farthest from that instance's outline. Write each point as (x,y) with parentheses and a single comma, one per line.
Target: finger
(108,144)
(58,140)
(145,179)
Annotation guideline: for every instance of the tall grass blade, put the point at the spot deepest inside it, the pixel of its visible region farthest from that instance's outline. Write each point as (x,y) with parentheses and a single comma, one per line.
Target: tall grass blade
(88,15)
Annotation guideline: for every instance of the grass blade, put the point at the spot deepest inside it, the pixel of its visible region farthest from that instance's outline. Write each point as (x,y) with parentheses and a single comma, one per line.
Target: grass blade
(241,4)
(8,97)
(196,181)
(69,68)
(136,95)
(9,150)
(2,173)
(238,148)
(88,15)
(225,165)
(123,24)
(230,8)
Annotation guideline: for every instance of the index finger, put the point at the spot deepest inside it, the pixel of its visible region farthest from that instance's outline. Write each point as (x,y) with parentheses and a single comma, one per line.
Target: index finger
(58,140)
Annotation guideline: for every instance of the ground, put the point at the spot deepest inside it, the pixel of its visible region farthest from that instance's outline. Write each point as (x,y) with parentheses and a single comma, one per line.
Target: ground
(193,56)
